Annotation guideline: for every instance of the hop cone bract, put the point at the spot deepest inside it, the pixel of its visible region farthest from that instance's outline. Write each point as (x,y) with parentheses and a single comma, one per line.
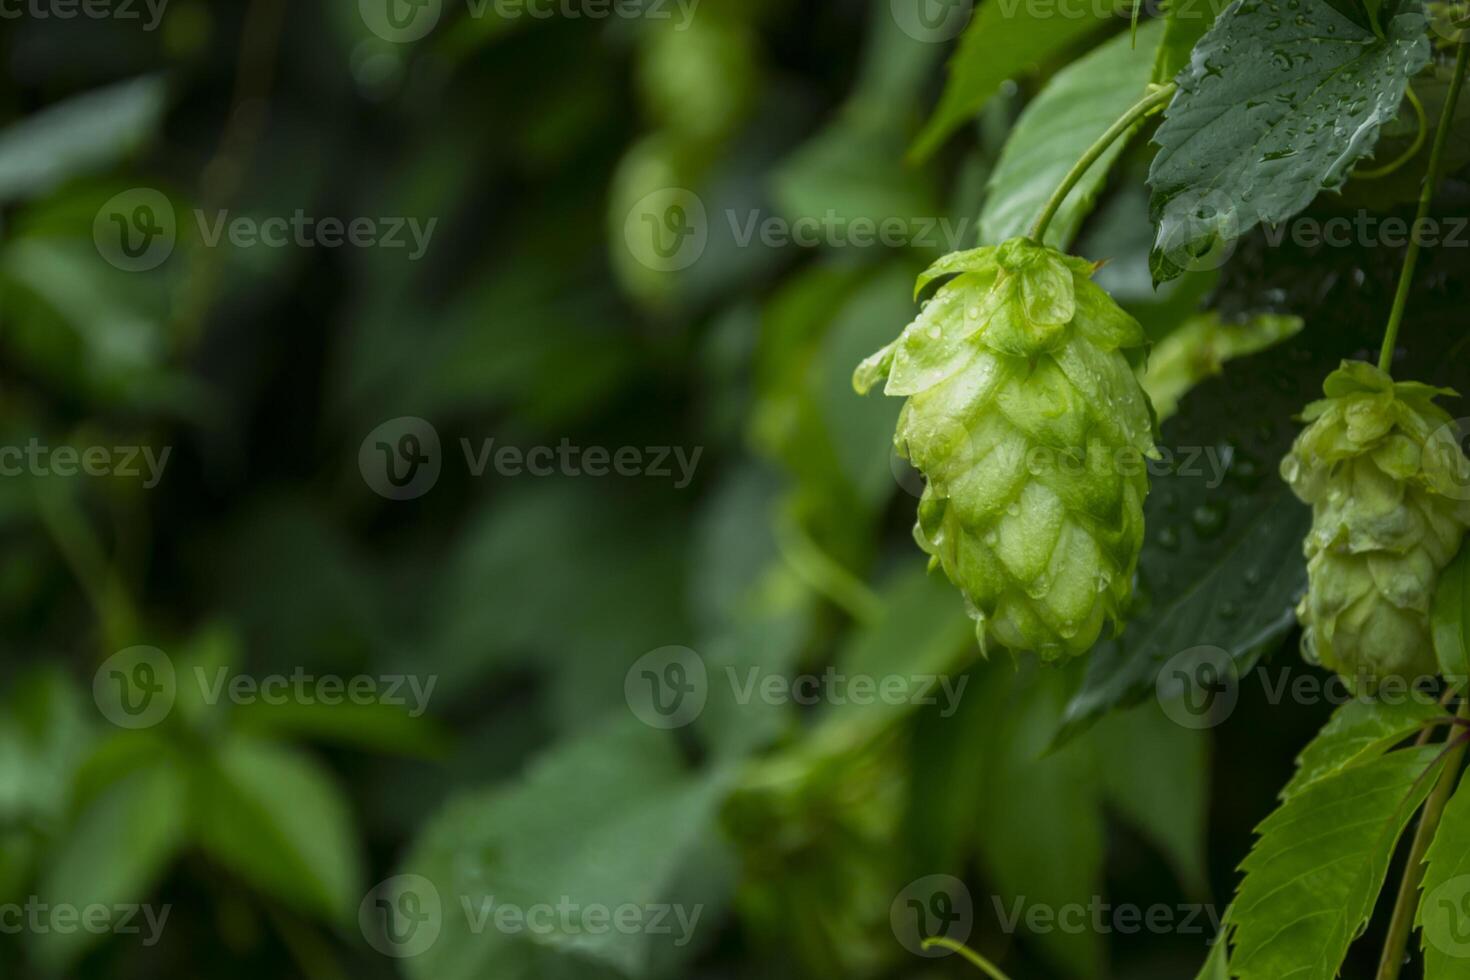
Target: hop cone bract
(1030,429)
(1382,468)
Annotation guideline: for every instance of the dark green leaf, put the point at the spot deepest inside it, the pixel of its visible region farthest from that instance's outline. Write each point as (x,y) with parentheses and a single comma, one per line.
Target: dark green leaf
(43,737)
(610,819)
(921,636)
(1058,126)
(1442,916)
(114,854)
(854,167)
(1005,39)
(1313,877)
(1186,21)
(82,134)
(1358,731)
(392,729)
(1040,830)
(1221,566)
(1402,186)
(1450,619)
(948,769)
(1279,103)
(275,818)
(1163,789)
(1199,348)
(861,431)
(1217,964)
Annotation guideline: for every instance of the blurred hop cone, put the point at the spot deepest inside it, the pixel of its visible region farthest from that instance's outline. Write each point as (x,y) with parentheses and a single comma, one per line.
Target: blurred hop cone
(1030,428)
(1387,482)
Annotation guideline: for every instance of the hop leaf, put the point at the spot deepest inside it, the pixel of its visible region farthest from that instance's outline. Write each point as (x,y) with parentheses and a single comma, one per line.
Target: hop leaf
(1390,495)
(1030,429)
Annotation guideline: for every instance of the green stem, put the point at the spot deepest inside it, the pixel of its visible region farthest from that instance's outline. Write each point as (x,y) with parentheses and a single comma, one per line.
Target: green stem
(986,967)
(823,573)
(1426,197)
(84,555)
(1402,922)
(1155,100)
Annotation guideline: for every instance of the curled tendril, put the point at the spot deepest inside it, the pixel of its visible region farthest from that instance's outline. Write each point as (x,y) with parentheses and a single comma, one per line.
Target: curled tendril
(1420,139)
(986,967)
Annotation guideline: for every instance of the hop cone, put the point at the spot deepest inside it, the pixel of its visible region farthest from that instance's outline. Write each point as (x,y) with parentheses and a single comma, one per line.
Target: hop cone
(1388,486)
(1030,429)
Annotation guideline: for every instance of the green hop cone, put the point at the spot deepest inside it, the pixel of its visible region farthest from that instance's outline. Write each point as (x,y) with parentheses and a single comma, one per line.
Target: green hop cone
(1388,485)
(1030,428)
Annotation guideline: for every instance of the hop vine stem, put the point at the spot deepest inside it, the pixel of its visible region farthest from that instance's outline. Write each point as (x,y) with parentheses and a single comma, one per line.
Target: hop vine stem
(1156,99)
(1426,198)
(1402,923)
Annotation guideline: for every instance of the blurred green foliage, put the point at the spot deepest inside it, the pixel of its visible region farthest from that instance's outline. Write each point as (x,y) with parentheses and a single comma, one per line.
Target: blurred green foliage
(264,549)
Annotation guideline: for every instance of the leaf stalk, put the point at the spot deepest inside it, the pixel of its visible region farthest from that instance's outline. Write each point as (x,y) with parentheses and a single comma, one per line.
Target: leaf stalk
(1156,99)
(1426,198)
(1402,923)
